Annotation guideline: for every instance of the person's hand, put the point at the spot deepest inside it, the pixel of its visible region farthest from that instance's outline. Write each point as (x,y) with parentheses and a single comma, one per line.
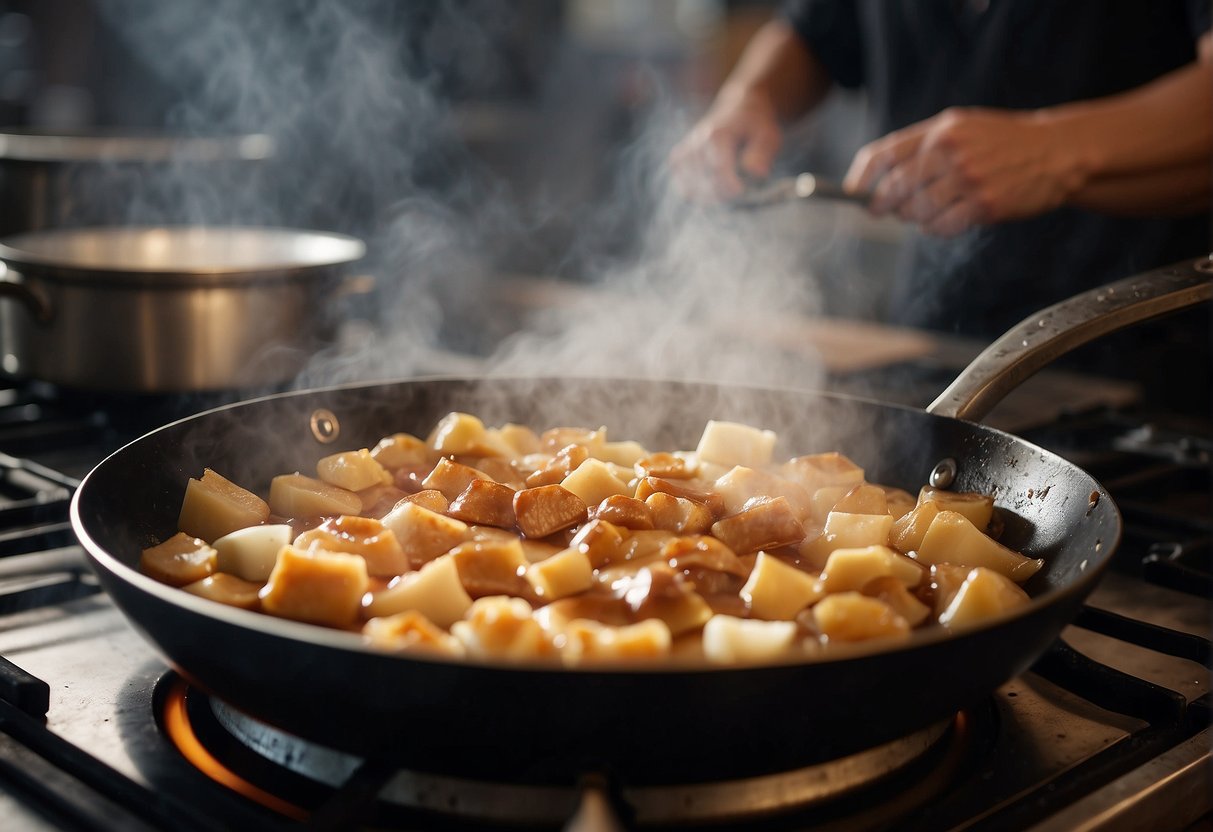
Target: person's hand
(967,167)
(738,138)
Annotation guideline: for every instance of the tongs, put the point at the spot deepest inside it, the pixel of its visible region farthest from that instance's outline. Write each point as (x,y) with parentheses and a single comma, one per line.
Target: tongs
(791,188)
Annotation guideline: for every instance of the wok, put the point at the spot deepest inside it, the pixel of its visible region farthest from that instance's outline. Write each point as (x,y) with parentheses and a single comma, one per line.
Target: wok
(655,724)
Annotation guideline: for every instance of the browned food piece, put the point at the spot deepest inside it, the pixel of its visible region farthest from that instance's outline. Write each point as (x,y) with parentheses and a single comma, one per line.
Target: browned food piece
(424,534)
(626,512)
(555,438)
(547,509)
(894,593)
(978,508)
(740,486)
(852,568)
(849,616)
(214,506)
(533,550)
(403,449)
(589,642)
(720,589)
(294,495)
(430,498)
(704,552)
(776,590)
(463,433)
(317,587)
(500,469)
(178,561)
(952,538)
(352,470)
(907,532)
(492,567)
(678,514)
(365,536)
(645,545)
(595,605)
(378,500)
(944,581)
(985,594)
(863,499)
(503,628)
(520,438)
(731,443)
(484,503)
(816,471)
(900,501)
(536,551)
(227,589)
(766,525)
(664,465)
(601,541)
(410,477)
(567,460)
(730,640)
(410,631)
(657,591)
(563,574)
(824,500)
(435,591)
(594,481)
(451,477)
(710,500)
(639,549)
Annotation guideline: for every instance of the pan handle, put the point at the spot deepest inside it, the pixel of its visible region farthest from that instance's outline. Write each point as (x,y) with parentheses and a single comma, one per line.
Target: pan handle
(1039,339)
(13,285)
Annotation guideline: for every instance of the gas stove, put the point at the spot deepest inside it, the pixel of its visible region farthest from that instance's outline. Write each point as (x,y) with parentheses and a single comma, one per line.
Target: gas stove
(1110,729)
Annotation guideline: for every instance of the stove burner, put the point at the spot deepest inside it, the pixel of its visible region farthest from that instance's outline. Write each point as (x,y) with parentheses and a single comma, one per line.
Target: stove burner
(274,769)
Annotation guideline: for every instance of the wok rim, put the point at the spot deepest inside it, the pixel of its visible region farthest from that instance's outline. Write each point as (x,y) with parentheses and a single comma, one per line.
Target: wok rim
(315,635)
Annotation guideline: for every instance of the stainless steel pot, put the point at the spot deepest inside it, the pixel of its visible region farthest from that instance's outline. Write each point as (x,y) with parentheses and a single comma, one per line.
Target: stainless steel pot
(60,179)
(172,309)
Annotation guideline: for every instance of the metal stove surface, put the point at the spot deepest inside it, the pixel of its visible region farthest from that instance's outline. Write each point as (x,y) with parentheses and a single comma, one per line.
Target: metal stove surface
(1110,730)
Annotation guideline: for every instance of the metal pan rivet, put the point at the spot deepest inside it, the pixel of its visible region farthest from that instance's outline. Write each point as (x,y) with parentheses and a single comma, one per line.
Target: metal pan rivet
(325,426)
(943,474)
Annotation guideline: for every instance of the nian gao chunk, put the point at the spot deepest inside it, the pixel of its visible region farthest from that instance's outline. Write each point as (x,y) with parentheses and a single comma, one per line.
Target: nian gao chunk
(766,525)
(547,509)
(484,503)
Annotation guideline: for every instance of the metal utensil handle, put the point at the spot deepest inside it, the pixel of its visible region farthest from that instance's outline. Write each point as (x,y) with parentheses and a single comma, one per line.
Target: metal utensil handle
(808,185)
(1041,338)
(13,285)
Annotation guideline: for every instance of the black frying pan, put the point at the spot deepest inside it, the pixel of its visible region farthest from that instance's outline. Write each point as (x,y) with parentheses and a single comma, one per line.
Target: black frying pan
(653,724)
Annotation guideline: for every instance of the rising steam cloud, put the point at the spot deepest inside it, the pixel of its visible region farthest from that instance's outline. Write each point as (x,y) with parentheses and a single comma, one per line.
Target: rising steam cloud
(358,97)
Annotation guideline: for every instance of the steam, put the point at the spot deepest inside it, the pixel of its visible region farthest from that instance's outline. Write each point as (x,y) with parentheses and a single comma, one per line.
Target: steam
(358,97)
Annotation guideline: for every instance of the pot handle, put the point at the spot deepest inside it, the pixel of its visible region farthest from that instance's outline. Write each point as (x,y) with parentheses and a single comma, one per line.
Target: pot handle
(1039,339)
(13,285)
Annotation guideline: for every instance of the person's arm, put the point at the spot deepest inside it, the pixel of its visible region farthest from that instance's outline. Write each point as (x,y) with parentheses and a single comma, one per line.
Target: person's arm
(1127,154)
(1176,191)
(777,80)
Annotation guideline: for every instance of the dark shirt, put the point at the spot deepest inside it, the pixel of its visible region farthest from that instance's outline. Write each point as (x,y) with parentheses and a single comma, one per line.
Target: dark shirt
(915,58)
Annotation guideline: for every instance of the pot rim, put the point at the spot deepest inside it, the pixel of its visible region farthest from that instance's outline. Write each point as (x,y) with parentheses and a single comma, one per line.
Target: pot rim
(289,253)
(100,145)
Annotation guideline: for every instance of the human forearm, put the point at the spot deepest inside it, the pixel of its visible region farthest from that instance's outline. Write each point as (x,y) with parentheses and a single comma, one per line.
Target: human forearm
(1140,152)
(778,66)
(1174,191)
(776,81)
(1165,124)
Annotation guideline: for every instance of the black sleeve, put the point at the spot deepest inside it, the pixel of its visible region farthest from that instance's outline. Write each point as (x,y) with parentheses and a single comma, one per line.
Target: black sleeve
(1199,14)
(830,28)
